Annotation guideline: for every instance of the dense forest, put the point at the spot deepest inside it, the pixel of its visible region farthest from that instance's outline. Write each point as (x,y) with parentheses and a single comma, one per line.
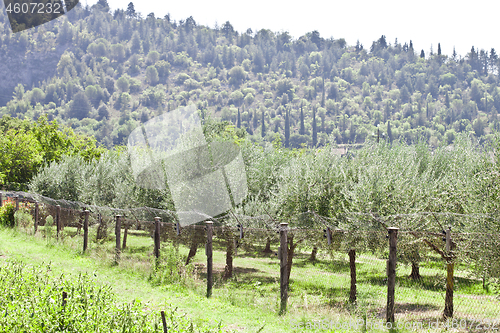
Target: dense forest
(102,73)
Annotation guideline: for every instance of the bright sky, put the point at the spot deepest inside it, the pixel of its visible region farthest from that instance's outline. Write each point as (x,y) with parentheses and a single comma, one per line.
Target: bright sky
(425,22)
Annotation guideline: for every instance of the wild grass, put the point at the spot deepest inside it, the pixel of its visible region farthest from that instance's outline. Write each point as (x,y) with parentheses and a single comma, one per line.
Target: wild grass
(249,300)
(35,299)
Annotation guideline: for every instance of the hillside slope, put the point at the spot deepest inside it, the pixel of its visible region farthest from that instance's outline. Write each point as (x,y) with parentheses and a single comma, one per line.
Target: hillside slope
(104,73)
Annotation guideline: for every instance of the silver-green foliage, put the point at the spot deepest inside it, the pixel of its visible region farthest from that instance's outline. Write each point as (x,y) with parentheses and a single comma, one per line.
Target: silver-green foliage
(106,182)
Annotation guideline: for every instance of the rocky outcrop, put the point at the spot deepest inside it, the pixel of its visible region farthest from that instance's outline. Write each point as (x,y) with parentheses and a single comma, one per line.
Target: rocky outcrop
(30,68)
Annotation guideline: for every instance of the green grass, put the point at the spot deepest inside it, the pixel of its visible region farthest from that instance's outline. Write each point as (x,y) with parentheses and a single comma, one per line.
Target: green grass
(34,299)
(249,301)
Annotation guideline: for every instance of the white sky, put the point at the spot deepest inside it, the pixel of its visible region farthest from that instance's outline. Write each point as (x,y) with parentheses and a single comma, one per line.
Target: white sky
(425,22)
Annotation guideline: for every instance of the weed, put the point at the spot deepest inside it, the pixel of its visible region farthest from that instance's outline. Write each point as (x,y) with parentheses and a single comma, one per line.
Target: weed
(7,214)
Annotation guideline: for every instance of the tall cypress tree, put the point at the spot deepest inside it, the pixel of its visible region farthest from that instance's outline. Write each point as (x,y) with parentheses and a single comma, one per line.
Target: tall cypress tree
(287,128)
(255,120)
(238,122)
(323,96)
(302,130)
(439,49)
(389,131)
(387,111)
(315,133)
(130,10)
(263,132)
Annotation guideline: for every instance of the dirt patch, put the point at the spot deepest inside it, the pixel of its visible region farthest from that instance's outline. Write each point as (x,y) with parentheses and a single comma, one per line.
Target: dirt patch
(413,307)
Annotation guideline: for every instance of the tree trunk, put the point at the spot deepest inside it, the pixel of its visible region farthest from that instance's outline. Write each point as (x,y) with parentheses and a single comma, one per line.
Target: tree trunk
(313,254)
(125,233)
(192,250)
(415,271)
(448,303)
(290,252)
(228,270)
(268,246)
(352,266)
(102,230)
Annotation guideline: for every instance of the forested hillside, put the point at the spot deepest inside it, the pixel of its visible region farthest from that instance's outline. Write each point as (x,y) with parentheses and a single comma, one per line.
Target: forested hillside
(103,73)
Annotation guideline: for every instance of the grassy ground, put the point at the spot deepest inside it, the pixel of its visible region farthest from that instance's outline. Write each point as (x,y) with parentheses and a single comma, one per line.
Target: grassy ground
(249,301)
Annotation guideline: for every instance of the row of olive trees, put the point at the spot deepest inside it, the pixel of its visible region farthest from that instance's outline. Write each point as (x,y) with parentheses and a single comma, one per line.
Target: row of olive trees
(379,179)
(383,180)
(106,182)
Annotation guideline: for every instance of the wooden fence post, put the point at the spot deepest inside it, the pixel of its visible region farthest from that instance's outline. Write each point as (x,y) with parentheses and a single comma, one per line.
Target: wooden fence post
(58,219)
(391,277)
(125,234)
(448,303)
(86,230)
(164,322)
(16,200)
(210,281)
(283,266)
(117,234)
(36,216)
(177,228)
(157,239)
(1,200)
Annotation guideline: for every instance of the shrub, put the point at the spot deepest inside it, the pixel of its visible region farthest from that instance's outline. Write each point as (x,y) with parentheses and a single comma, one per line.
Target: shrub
(7,215)
(170,268)
(24,220)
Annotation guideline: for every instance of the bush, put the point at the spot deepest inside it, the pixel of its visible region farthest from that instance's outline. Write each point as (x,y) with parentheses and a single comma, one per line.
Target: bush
(170,268)
(7,215)
(23,220)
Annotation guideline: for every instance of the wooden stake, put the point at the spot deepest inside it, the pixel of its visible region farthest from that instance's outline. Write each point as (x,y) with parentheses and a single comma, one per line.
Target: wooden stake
(391,277)
(177,228)
(209,258)
(157,238)
(164,321)
(58,219)
(86,230)
(125,234)
(283,266)
(36,216)
(16,200)
(117,234)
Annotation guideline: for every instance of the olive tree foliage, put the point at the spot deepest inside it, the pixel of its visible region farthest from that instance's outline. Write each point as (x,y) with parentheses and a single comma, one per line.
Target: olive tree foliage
(152,75)
(237,76)
(106,182)
(263,167)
